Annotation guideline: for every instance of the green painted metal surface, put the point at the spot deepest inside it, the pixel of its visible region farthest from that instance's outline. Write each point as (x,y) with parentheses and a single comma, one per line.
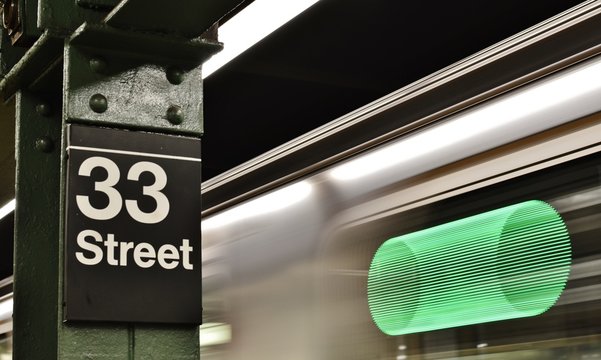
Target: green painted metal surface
(64,16)
(127,342)
(151,82)
(188,21)
(36,247)
(119,340)
(47,50)
(39,332)
(134,80)
(507,263)
(98,75)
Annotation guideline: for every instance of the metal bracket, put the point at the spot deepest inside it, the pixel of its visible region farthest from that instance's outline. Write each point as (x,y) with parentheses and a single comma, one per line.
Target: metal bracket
(159,17)
(137,81)
(64,16)
(44,55)
(103,5)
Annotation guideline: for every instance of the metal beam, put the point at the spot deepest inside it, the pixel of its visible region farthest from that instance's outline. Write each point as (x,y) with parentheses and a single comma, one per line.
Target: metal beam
(187,19)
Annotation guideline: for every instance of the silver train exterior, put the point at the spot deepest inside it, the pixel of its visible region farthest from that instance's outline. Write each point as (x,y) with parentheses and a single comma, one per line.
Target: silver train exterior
(288,238)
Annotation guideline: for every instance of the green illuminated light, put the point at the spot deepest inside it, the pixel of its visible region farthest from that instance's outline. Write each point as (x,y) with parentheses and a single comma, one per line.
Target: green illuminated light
(503,264)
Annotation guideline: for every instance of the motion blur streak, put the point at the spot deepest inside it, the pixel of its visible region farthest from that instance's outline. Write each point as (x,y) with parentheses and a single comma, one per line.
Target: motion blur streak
(277,200)
(534,103)
(6,309)
(7,208)
(215,334)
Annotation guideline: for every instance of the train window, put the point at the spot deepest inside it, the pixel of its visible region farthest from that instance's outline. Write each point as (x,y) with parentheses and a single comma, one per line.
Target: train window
(482,328)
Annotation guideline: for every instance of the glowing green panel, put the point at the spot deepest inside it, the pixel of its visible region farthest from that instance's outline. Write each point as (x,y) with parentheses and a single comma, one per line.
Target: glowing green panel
(503,264)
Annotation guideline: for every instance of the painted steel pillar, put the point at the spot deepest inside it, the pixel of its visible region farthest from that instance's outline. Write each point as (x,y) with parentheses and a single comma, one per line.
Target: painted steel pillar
(132,65)
(38,328)
(37,214)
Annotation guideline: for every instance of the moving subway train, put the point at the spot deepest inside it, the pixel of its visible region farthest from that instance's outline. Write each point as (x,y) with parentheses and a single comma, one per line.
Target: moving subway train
(459,217)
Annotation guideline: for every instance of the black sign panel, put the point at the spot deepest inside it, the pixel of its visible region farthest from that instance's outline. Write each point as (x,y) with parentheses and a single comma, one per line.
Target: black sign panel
(132,250)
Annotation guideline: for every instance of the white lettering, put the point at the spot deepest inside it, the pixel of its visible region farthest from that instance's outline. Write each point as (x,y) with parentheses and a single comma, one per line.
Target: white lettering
(154,191)
(115,201)
(106,186)
(168,252)
(110,245)
(186,249)
(144,251)
(144,254)
(81,241)
(125,247)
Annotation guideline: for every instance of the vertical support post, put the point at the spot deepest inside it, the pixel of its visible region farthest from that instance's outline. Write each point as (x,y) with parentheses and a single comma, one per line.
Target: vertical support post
(38,165)
(122,82)
(113,77)
(42,120)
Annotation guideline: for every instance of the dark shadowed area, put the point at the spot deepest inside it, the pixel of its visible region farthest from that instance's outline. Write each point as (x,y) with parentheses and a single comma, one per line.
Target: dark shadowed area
(342,54)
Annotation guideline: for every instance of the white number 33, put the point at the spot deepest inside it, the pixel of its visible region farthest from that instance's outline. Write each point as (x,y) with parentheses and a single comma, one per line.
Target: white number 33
(115,200)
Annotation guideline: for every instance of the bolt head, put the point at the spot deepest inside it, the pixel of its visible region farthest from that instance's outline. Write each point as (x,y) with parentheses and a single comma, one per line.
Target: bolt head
(98,103)
(175,75)
(175,115)
(98,65)
(43,109)
(44,144)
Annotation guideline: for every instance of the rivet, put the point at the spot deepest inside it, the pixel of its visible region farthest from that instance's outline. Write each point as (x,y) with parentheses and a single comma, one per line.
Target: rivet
(98,65)
(175,75)
(174,115)
(43,109)
(98,103)
(44,144)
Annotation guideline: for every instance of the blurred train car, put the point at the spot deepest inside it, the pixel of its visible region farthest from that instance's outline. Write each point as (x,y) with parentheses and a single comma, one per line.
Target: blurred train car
(288,238)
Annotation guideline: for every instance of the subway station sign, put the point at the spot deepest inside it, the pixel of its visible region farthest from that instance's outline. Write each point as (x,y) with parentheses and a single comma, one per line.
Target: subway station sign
(132,250)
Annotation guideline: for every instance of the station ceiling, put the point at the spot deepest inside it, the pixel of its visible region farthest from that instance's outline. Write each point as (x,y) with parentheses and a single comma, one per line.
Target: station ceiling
(335,57)
(342,54)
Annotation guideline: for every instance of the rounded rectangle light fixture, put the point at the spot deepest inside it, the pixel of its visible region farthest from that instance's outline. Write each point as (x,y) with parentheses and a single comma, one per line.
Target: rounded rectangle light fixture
(507,263)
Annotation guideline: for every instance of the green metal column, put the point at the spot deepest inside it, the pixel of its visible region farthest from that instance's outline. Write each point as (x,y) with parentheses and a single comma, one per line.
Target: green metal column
(36,247)
(132,65)
(39,332)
